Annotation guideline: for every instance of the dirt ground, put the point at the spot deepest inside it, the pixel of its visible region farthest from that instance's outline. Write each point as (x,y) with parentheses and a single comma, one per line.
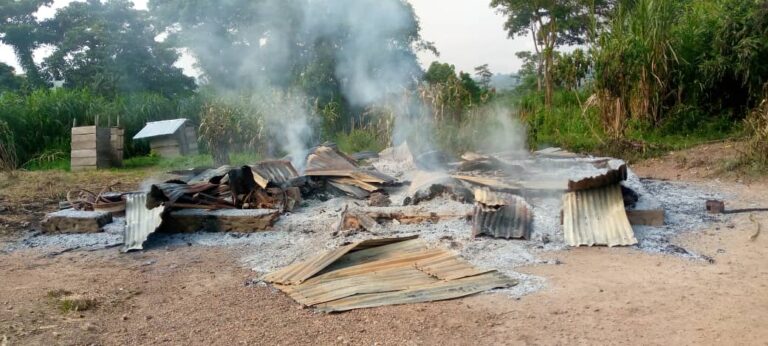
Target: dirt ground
(203,295)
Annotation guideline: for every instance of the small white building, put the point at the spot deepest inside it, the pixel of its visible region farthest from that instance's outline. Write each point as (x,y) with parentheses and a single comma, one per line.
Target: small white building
(170,138)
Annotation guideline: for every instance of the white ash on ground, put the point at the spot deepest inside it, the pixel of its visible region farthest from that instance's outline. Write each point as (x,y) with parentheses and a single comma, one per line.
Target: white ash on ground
(312,228)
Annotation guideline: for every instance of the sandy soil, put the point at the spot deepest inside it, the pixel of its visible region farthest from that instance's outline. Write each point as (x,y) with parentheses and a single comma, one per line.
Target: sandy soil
(202,295)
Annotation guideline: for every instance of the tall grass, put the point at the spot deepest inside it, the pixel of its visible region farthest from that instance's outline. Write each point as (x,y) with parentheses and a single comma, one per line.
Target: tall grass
(634,61)
(42,120)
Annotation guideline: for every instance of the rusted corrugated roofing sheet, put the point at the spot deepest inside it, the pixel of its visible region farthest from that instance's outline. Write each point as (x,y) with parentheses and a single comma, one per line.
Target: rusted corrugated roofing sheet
(207,175)
(174,192)
(439,290)
(448,266)
(277,173)
(617,172)
(596,217)
(299,272)
(326,161)
(515,186)
(501,215)
(140,221)
(383,272)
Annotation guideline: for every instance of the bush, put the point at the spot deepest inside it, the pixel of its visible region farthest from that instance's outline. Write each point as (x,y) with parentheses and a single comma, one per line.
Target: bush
(361,140)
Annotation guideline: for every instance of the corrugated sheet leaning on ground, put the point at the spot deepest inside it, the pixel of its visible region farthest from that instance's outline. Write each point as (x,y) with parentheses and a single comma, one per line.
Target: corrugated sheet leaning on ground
(140,221)
(383,272)
(501,215)
(596,217)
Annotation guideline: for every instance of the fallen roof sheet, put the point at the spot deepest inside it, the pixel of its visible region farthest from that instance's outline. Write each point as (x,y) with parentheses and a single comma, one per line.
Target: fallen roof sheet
(299,272)
(140,221)
(617,172)
(515,186)
(160,128)
(209,174)
(327,161)
(383,272)
(439,290)
(501,215)
(278,173)
(596,217)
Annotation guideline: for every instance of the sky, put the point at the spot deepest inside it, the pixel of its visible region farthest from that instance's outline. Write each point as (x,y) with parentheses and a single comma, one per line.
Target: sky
(467,33)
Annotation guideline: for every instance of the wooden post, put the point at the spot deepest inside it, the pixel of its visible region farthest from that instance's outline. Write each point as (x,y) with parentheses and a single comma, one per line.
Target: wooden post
(91,148)
(117,141)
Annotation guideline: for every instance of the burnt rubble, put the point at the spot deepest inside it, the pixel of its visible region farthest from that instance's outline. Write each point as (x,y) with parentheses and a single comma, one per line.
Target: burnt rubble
(504,188)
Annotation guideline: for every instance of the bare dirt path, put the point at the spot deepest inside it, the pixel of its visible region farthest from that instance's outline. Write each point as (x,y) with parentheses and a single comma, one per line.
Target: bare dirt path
(202,295)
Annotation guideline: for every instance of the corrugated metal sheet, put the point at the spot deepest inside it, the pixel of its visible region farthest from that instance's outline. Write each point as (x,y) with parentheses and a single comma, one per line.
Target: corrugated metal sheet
(326,161)
(160,128)
(207,175)
(617,172)
(173,192)
(350,190)
(515,186)
(501,215)
(278,173)
(387,272)
(596,217)
(299,272)
(440,290)
(140,221)
(449,266)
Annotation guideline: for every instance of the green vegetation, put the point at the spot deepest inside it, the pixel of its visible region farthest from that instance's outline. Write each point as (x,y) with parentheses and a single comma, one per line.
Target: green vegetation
(648,77)
(662,75)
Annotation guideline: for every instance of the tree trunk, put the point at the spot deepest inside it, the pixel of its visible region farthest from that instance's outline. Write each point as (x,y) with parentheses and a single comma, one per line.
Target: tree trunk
(27,62)
(548,61)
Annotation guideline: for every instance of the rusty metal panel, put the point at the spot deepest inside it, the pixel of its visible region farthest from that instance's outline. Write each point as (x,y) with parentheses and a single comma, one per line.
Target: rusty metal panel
(617,172)
(326,161)
(329,160)
(449,266)
(501,215)
(277,173)
(596,217)
(173,192)
(382,272)
(515,186)
(140,222)
(299,272)
(209,174)
(440,290)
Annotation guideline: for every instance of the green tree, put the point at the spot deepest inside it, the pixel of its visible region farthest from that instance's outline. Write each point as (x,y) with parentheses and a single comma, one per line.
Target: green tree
(439,73)
(484,74)
(530,72)
(322,47)
(111,49)
(551,23)
(474,90)
(570,69)
(19,29)
(9,81)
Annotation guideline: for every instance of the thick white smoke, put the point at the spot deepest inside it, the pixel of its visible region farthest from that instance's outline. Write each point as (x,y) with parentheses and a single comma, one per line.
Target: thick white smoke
(370,64)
